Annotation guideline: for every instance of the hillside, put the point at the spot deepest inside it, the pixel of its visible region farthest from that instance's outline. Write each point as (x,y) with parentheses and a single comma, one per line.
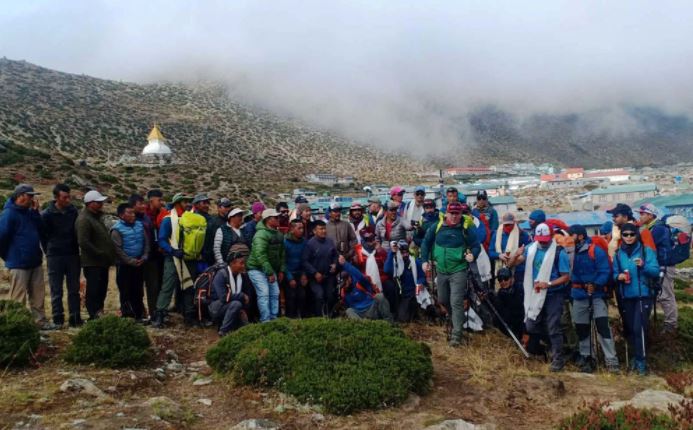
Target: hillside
(223,145)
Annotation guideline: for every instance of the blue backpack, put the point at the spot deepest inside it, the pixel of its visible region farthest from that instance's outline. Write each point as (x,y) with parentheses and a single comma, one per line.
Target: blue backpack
(680,231)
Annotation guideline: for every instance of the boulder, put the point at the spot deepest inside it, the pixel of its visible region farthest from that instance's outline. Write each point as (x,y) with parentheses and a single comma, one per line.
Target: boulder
(652,399)
(460,425)
(83,385)
(165,408)
(256,424)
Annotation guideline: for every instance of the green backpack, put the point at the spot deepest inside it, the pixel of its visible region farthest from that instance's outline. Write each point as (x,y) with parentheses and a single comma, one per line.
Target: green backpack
(193,228)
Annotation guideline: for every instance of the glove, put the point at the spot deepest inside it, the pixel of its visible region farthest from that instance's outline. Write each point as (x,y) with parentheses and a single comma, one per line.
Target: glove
(178,253)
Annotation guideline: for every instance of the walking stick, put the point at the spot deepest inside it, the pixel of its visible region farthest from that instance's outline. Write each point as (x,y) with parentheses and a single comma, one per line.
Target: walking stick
(593,348)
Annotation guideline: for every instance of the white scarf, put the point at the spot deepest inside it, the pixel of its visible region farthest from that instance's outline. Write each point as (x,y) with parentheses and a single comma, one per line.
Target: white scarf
(535,301)
(398,261)
(513,240)
(372,270)
(235,285)
(357,229)
(184,276)
(483,263)
(414,213)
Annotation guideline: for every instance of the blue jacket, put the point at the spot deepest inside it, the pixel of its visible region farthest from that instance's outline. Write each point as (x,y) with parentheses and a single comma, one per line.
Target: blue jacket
(132,237)
(491,215)
(524,239)
(589,271)
(249,230)
(639,276)
(407,279)
(662,239)
(293,255)
(21,230)
(165,236)
(359,294)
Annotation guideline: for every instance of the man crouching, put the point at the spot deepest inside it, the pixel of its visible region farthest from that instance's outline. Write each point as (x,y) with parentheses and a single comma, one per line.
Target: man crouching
(361,297)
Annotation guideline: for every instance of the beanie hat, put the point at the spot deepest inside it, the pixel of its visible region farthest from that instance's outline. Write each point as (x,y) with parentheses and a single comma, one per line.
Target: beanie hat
(606,228)
(538,215)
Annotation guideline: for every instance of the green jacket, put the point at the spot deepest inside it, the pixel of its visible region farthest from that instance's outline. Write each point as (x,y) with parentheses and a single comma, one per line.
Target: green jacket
(96,249)
(267,252)
(447,246)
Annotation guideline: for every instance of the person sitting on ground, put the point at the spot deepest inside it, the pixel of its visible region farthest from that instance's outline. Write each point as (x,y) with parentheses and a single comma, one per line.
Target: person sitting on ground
(508,302)
(635,266)
(589,280)
(409,277)
(369,258)
(232,293)
(359,296)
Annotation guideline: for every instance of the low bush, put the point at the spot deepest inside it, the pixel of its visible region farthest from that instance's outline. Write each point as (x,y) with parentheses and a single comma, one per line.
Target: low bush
(19,335)
(686,332)
(343,365)
(111,342)
(593,416)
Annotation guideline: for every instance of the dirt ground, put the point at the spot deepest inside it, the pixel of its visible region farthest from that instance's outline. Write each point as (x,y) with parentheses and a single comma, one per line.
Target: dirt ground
(486,381)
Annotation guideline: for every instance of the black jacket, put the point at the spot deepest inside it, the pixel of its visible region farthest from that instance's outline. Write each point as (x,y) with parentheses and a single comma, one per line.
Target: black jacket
(318,255)
(61,237)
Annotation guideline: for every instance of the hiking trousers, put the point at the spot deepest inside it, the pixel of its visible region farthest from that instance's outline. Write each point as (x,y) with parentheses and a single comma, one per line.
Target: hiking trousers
(152,272)
(97,288)
(549,322)
(636,323)
(324,295)
(130,281)
(267,295)
(583,327)
(29,283)
(668,300)
(295,298)
(226,315)
(64,268)
(171,284)
(378,310)
(452,289)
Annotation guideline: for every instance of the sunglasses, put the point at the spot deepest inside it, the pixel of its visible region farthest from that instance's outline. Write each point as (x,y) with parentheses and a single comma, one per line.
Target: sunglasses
(503,279)
(420,193)
(429,206)
(482,198)
(283,212)
(628,235)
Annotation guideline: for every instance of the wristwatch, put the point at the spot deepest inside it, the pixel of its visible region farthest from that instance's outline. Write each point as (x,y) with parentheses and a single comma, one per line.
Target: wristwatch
(550,284)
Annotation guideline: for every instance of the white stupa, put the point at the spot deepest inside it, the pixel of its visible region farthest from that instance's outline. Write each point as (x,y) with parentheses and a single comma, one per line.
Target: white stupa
(156,145)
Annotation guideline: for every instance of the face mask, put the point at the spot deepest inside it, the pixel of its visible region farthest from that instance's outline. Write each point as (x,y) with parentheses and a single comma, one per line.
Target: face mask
(507,228)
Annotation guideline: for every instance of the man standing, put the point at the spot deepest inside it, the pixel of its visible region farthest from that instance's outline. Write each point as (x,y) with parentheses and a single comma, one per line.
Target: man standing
(227,235)
(536,217)
(176,272)
(507,243)
(589,278)
(320,264)
(62,255)
(21,233)
(97,252)
(267,264)
(452,245)
(375,211)
(283,210)
(132,248)
(397,196)
(662,240)
(390,228)
(357,221)
(486,214)
(410,278)
(431,216)
(249,228)
(413,210)
(213,224)
(341,232)
(151,271)
(547,271)
(295,281)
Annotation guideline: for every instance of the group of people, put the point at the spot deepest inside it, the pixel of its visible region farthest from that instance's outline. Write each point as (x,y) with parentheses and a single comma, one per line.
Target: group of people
(391,260)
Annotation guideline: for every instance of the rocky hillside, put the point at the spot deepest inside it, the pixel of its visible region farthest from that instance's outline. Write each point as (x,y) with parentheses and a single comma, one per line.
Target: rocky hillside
(221,143)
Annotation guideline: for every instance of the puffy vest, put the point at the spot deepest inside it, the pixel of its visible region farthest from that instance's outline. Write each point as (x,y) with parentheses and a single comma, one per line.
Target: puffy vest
(229,238)
(132,236)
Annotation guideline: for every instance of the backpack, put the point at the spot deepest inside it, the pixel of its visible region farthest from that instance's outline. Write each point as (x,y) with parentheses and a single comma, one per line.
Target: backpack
(193,227)
(203,287)
(680,232)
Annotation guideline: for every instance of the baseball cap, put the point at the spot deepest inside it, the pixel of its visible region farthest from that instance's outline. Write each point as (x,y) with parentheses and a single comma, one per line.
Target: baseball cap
(392,206)
(606,228)
(335,207)
(508,218)
(200,198)
(420,189)
(648,208)
(301,199)
(356,206)
(455,208)
(542,233)
(94,196)
(429,203)
(375,199)
(268,213)
(234,212)
(396,190)
(538,215)
(224,202)
(481,195)
(25,189)
(257,207)
(179,197)
(621,209)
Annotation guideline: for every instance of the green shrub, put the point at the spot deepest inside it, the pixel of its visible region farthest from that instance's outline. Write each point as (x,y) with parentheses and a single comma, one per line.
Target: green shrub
(685,335)
(19,336)
(111,342)
(344,365)
(593,416)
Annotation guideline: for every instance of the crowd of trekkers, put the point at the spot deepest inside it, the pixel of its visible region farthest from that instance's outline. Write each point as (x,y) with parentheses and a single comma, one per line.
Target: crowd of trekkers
(392,260)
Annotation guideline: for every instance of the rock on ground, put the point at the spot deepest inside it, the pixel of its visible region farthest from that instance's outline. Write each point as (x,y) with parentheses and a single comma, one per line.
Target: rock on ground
(83,385)
(654,399)
(256,424)
(460,425)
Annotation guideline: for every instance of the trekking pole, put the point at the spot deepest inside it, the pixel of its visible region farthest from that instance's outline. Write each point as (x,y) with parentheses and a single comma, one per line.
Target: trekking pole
(590,307)
(488,303)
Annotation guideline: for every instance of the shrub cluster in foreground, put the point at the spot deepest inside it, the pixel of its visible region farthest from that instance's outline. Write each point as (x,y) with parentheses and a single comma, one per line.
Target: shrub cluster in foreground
(594,417)
(19,335)
(343,365)
(111,342)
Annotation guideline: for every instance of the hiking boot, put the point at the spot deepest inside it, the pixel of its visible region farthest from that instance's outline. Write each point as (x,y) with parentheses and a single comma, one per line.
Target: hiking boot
(48,326)
(640,366)
(587,364)
(668,331)
(613,368)
(158,321)
(557,365)
(143,321)
(75,321)
(455,342)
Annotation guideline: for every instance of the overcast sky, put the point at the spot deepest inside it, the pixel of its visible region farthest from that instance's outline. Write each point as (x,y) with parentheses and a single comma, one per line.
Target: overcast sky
(390,72)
